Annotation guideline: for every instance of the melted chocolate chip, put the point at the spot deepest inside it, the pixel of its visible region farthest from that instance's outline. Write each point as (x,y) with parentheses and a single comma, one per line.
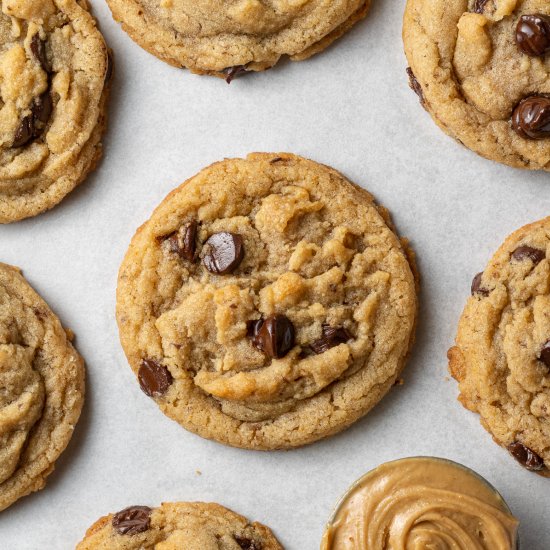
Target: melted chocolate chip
(110,65)
(247,544)
(533,34)
(531,117)
(223,253)
(232,72)
(415,85)
(25,132)
(154,378)
(38,48)
(184,241)
(330,337)
(274,335)
(526,457)
(476,286)
(132,520)
(479,5)
(528,252)
(544,355)
(42,108)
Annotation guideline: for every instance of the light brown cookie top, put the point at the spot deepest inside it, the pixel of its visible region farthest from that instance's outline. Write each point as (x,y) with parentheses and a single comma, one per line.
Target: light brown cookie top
(54,72)
(41,388)
(502,354)
(227,37)
(267,303)
(177,526)
(482,70)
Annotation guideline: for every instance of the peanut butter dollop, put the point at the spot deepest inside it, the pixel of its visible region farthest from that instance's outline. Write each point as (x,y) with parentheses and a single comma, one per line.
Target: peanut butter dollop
(420,504)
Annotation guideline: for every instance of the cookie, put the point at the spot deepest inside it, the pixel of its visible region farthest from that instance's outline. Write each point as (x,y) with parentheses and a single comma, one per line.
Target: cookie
(174,526)
(482,70)
(41,388)
(267,303)
(502,354)
(54,74)
(229,37)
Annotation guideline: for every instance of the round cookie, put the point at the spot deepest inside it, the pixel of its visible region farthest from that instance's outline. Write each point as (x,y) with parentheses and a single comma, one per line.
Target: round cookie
(41,388)
(502,354)
(267,303)
(482,70)
(54,74)
(175,526)
(228,37)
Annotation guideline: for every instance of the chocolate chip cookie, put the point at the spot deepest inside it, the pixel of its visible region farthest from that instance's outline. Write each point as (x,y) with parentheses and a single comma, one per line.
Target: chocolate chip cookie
(267,303)
(41,388)
(54,74)
(228,37)
(175,526)
(482,70)
(502,354)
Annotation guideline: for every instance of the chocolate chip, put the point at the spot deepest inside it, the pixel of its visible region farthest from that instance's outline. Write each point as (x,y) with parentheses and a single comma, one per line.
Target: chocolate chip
(330,337)
(38,48)
(223,253)
(544,354)
(154,378)
(533,34)
(184,241)
(526,457)
(476,286)
(247,544)
(531,117)
(42,108)
(232,72)
(109,69)
(479,5)
(274,335)
(528,252)
(415,85)
(132,520)
(25,132)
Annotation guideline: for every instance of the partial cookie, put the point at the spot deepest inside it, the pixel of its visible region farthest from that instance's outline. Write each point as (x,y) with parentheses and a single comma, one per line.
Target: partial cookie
(54,74)
(502,354)
(225,38)
(41,388)
(267,303)
(482,70)
(178,526)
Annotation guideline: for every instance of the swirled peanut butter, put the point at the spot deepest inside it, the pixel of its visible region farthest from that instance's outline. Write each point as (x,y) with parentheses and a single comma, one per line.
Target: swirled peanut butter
(421,504)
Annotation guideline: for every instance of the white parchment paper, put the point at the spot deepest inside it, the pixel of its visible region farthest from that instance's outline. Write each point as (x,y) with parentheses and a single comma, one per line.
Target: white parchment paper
(351,108)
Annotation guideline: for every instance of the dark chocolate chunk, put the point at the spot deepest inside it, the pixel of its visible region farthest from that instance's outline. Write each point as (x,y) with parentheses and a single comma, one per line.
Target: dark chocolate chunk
(184,241)
(479,5)
(132,520)
(25,132)
(330,337)
(415,85)
(531,117)
(110,65)
(544,355)
(154,378)
(528,252)
(223,253)
(526,457)
(232,72)
(274,335)
(247,544)
(42,108)
(38,48)
(533,34)
(476,286)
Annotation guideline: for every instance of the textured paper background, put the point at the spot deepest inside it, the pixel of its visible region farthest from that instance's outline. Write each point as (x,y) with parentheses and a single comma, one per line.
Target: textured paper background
(350,108)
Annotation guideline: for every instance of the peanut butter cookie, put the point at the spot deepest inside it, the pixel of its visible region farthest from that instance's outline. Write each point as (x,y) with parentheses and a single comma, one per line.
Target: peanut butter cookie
(41,388)
(482,70)
(54,73)
(267,303)
(177,526)
(228,37)
(502,354)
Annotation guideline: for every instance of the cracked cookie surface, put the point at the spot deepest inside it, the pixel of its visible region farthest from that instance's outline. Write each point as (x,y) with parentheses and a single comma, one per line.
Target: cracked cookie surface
(267,303)
(502,354)
(54,79)
(230,36)
(474,63)
(41,388)
(173,526)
